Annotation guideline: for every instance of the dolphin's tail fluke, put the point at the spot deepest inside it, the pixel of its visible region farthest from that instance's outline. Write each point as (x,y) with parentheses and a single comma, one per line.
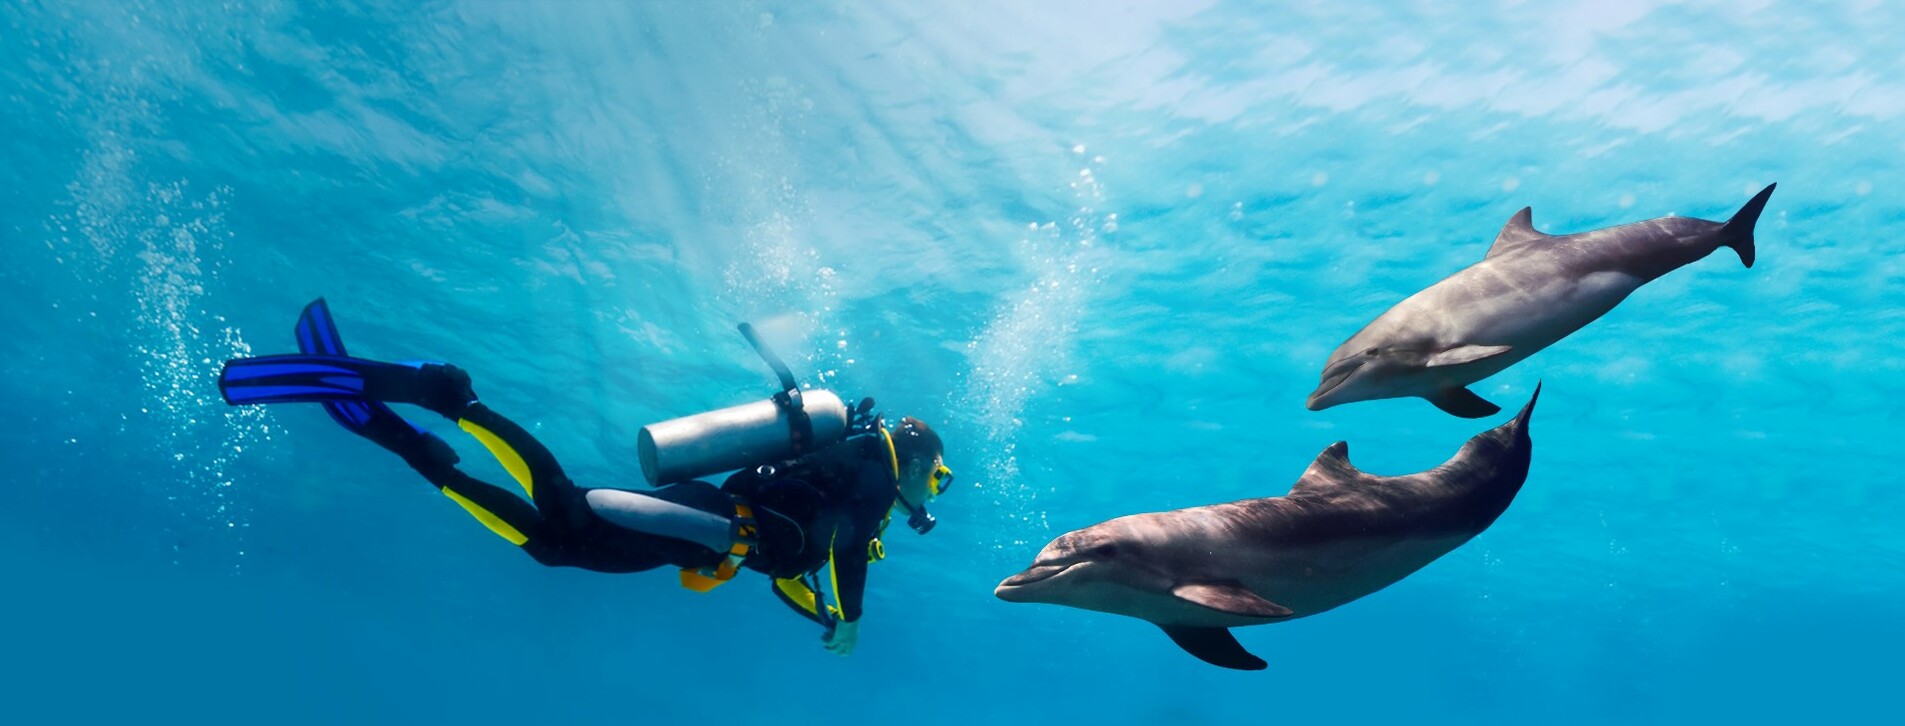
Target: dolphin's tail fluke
(1738,231)
(1513,433)
(1521,419)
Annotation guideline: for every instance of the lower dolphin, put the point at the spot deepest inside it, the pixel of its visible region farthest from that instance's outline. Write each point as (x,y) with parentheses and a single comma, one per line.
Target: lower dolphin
(1338,535)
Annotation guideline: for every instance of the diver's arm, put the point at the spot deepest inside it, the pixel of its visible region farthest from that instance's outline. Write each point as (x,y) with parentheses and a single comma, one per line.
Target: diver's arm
(849,568)
(870,500)
(850,577)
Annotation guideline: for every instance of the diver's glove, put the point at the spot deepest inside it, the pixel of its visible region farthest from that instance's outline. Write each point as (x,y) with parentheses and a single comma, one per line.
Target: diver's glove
(841,638)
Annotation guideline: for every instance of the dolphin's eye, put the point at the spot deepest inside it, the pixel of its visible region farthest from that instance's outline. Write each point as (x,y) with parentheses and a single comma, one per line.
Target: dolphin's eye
(1105,550)
(1373,351)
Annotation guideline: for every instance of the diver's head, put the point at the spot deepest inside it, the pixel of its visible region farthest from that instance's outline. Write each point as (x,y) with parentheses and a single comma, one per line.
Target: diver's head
(923,472)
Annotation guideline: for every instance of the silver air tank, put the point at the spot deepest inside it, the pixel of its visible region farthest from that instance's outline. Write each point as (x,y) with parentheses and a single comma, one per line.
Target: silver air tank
(745,435)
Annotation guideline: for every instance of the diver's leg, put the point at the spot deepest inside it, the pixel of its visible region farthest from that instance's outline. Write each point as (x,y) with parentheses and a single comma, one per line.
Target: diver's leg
(564,528)
(445,389)
(544,529)
(559,529)
(522,455)
(685,525)
(501,511)
(643,513)
(574,530)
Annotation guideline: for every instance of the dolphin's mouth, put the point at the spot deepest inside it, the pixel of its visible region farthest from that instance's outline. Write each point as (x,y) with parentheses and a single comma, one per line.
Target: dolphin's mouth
(1333,377)
(1035,573)
(1018,588)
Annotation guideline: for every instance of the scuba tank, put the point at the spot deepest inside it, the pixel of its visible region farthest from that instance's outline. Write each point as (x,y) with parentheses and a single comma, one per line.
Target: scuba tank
(710,443)
(792,423)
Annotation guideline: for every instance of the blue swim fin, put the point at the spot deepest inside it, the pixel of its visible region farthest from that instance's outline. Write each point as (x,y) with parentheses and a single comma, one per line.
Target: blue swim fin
(317,334)
(299,378)
(351,390)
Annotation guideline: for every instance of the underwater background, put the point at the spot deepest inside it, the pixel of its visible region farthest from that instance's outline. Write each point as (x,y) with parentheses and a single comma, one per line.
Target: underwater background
(1104,247)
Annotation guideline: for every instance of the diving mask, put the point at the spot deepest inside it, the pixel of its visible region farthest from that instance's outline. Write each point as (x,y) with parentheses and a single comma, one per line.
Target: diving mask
(941,478)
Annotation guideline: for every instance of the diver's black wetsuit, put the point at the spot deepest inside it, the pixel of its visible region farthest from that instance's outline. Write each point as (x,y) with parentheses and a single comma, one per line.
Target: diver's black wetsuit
(828,505)
(559,530)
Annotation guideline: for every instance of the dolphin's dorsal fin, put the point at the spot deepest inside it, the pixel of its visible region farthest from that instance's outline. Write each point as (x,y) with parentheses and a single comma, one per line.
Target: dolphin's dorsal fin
(1215,646)
(1519,231)
(1231,598)
(1331,468)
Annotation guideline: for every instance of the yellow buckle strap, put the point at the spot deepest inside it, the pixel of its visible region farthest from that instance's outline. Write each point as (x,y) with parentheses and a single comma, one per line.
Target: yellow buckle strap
(745,535)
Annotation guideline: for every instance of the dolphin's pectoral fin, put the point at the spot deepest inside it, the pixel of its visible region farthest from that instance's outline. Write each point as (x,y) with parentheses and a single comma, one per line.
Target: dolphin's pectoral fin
(1463,402)
(1519,231)
(1466,354)
(1215,646)
(1231,598)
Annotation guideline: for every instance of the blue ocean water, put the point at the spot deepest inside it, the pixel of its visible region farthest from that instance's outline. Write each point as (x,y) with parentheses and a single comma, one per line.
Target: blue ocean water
(1103,247)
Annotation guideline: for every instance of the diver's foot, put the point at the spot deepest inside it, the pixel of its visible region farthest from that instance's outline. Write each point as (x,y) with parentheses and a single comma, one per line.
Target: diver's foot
(445,389)
(428,453)
(419,448)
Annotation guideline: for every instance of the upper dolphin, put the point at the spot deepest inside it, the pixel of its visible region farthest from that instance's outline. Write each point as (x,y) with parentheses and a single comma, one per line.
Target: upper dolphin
(1531,290)
(1338,535)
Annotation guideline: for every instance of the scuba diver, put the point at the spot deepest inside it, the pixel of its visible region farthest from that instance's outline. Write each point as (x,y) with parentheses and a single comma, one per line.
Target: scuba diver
(815,488)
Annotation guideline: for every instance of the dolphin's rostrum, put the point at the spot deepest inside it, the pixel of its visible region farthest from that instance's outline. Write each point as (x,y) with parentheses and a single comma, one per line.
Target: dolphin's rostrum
(1530,291)
(1338,535)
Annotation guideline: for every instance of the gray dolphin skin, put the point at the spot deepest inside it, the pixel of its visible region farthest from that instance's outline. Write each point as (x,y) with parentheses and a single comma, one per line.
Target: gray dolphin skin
(1338,535)
(1530,291)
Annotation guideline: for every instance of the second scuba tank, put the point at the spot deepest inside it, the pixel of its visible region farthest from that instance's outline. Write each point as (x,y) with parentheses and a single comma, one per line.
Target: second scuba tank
(730,438)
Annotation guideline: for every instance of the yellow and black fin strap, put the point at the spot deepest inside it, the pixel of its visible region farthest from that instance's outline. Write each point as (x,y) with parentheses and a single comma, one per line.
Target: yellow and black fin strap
(489,519)
(833,611)
(802,594)
(795,592)
(504,453)
(876,551)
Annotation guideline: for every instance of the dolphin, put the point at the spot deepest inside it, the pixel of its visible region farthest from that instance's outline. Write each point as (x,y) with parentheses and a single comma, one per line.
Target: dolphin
(1338,535)
(1531,290)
